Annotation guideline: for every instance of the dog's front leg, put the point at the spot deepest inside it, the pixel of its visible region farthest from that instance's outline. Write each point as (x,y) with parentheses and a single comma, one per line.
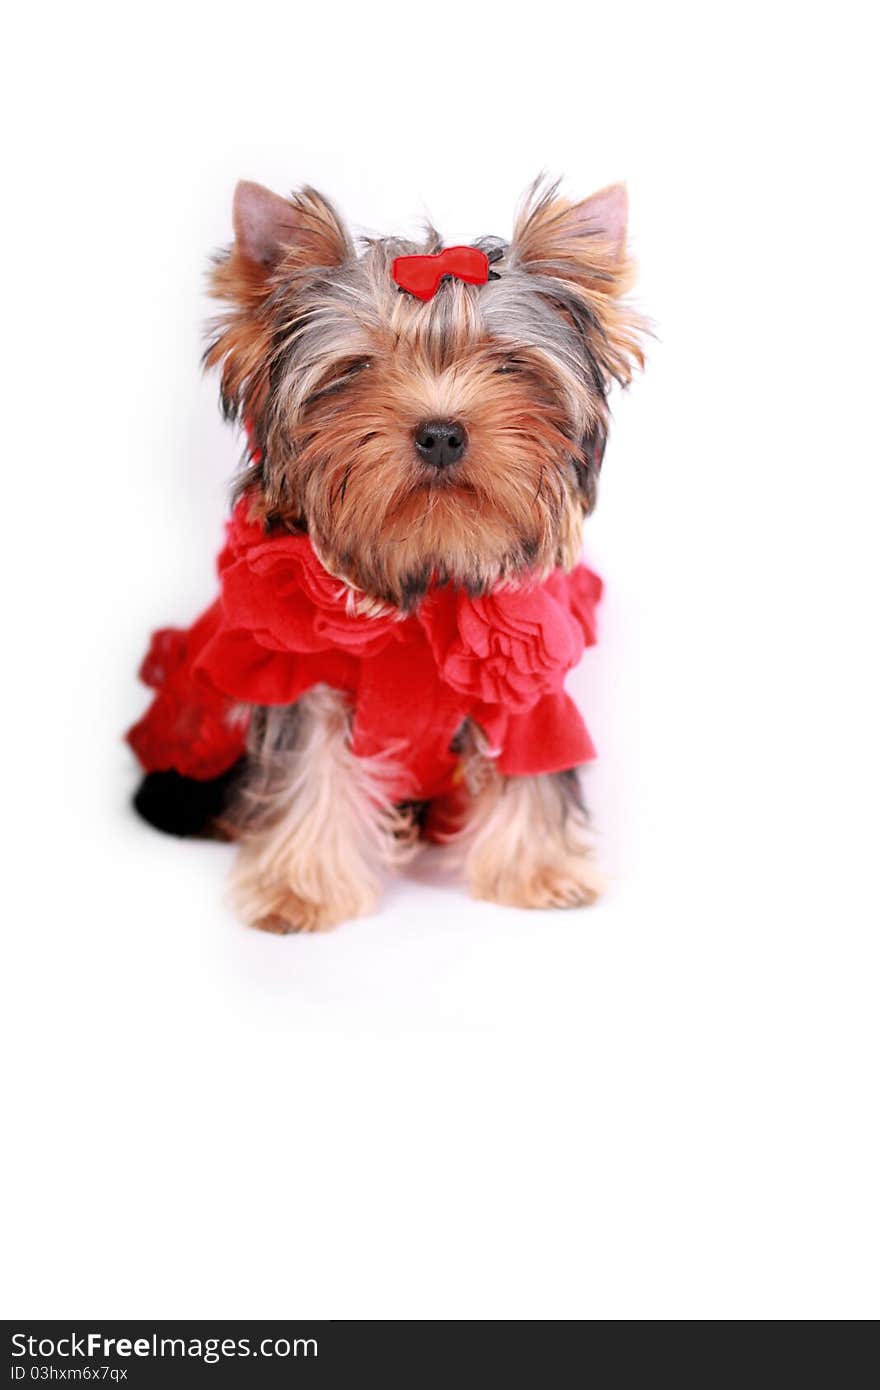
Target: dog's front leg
(315,822)
(528,843)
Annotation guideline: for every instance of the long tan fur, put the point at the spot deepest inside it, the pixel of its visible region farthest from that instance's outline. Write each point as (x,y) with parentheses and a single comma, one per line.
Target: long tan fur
(316,825)
(527,843)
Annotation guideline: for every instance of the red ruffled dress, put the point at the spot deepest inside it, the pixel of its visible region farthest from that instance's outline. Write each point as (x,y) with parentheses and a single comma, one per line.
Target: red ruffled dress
(283,624)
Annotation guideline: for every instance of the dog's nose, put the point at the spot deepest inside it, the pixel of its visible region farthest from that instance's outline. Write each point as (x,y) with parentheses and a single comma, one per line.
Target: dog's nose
(441,442)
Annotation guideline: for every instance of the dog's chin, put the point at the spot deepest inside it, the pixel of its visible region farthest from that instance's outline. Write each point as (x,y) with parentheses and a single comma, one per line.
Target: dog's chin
(444,527)
(400,568)
(407,586)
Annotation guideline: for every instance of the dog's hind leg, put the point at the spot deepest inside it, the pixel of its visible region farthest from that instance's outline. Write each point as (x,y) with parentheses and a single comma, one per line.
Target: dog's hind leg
(186,806)
(315,822)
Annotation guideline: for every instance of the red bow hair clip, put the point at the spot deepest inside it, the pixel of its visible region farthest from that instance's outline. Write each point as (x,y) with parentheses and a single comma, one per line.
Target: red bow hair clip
(421,275)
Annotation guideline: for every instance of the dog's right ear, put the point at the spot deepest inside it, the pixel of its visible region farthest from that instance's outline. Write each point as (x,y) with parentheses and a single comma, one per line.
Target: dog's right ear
(304,228)
(275,240)
(264,223)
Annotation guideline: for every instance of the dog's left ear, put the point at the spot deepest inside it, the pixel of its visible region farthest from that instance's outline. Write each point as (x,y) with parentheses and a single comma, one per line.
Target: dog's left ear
(578,253)
(585,241)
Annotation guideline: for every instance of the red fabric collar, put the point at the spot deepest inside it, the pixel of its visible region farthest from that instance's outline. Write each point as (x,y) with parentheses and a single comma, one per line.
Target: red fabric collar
(282,624)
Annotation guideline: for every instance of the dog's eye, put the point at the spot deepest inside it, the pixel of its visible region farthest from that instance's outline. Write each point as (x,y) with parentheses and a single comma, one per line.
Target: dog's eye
(340,380)
(510,366)
(350,370)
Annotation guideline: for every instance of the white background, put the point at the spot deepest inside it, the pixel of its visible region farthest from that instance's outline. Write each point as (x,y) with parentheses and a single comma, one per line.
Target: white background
(665,1107)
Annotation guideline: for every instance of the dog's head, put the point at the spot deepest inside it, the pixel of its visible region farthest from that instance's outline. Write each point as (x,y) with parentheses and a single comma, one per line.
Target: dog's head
(456,438)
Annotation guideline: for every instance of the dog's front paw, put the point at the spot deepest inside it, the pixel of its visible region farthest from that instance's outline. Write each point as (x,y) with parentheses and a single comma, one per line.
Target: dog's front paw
(548,873)
(567,880)
(282,909)
(530,844)
(294,914)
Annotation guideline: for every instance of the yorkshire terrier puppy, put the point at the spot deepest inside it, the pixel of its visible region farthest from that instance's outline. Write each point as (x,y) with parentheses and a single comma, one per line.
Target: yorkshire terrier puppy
(401,598)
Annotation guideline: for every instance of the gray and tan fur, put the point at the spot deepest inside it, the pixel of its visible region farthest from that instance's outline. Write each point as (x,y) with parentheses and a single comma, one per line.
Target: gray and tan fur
(335,371)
